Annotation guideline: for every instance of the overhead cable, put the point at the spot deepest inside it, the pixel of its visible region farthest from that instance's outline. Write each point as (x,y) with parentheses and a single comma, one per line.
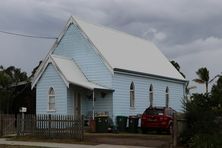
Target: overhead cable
(28,36)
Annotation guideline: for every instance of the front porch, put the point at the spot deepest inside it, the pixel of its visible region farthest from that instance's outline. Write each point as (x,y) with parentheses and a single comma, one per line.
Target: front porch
(90,103)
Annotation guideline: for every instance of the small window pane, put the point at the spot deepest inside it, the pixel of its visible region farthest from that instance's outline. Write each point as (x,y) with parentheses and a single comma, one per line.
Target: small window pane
(151,95)
(167,97)
(51,99)
(132,95)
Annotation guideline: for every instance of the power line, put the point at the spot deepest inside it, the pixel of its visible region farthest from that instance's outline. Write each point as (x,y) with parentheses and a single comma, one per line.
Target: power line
(28,36)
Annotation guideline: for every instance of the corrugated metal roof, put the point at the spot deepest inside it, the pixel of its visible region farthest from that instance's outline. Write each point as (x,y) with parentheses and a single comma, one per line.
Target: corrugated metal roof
(124,51)
(72,73)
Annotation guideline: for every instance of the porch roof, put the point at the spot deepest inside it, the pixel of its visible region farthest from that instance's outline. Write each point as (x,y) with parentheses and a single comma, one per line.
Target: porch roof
(71,73)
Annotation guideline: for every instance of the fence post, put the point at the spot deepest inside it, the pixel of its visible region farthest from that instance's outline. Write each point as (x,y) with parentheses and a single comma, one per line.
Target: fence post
(23,123)
(82,127)
(174,130)
(1,126)
(32,123)
(18,125)
(49,126)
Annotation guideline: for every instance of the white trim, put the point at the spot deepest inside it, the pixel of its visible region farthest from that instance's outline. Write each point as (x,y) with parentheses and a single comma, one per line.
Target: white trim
(167,97)
(151,95)
(44,63)
(51,95)
(150,76)
(132,95)
(50,61)
(41,68)
(59,72)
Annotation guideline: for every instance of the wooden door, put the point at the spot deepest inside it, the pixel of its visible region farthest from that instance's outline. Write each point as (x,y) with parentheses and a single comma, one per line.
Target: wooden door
(77,105)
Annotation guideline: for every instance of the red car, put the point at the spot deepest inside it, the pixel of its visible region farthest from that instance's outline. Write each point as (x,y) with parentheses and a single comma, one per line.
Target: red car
(158,118)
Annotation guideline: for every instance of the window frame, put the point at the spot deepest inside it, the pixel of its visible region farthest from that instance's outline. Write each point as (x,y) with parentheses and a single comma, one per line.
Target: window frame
(51,100)
(151,95)
(167,97)
(132,95)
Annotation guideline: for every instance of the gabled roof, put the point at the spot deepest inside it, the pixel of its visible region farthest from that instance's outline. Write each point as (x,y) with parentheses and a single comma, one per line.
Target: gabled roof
(70,73)
(123,51)
(118,50)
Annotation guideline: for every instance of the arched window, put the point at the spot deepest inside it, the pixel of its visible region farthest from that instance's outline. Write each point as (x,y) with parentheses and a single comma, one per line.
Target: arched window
(151,95)
(167,96)
(132,95)
(51,99)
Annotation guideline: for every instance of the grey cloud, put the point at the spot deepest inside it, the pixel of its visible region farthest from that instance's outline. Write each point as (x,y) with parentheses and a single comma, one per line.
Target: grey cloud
(184,30)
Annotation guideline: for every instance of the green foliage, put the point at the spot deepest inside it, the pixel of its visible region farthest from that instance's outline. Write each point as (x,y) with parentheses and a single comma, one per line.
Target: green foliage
(203,115)
(203,77)
(216,96)
(9,78)
(203,74)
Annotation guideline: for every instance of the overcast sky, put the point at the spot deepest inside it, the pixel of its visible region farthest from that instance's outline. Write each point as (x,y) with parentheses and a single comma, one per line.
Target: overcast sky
(187,31)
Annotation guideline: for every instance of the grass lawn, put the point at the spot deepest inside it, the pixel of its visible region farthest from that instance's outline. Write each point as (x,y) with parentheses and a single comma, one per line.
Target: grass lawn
(149,140)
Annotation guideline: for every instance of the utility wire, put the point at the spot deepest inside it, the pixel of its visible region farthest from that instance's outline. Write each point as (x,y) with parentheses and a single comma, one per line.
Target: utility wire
(28,36)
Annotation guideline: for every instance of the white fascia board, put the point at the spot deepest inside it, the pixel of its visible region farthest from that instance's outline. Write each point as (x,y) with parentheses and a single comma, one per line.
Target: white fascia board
(68,23)
(39,72)
(152,76)
(46,63)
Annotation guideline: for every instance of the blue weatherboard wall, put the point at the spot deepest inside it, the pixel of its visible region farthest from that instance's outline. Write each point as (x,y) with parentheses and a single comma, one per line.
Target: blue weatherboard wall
(51,78)
(76,46)
(121,97)
(70,101)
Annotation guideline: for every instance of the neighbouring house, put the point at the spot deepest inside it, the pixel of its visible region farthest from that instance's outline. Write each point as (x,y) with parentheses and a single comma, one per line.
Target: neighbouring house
(94,70)
(24,97)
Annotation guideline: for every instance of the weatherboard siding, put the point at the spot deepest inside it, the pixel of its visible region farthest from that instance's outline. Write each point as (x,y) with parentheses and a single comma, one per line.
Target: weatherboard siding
(51,78)
(70,101)
(75,45)
(121,101)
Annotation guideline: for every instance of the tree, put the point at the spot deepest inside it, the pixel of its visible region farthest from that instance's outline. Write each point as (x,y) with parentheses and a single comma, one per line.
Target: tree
(9,77)
(203,77)
(216,95)
(35,69)
(203,118)
(177,66)
(203,123)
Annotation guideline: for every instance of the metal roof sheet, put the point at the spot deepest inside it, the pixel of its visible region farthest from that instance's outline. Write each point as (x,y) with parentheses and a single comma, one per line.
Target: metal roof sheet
(72,73)
(124,51)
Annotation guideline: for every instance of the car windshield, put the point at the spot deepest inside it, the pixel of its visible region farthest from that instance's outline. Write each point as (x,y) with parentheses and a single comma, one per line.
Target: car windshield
(153,111)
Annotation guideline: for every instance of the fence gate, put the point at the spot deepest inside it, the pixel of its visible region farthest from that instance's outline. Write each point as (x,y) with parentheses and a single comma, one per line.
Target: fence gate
(7,124)
(50,126)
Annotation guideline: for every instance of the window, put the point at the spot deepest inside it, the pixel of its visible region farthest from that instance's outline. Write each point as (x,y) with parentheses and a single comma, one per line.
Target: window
(51,99)
(132,95)
(167,96)
(151,95)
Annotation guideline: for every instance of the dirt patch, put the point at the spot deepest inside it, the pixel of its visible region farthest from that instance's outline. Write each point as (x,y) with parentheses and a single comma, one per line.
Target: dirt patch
(147,140)
(130,139)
